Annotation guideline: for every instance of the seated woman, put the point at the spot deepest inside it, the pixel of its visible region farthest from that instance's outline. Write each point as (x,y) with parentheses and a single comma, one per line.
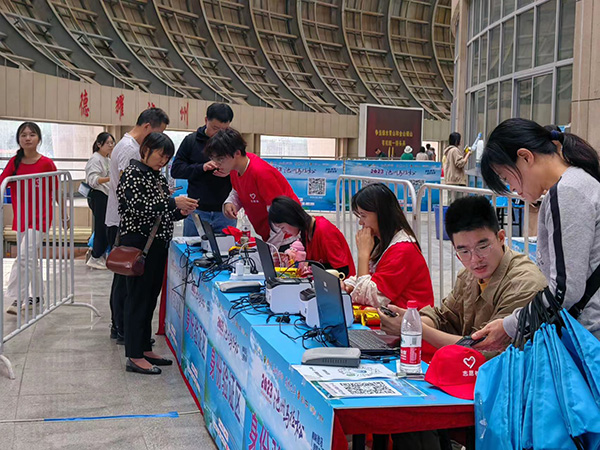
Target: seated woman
(322,240)
(391,267)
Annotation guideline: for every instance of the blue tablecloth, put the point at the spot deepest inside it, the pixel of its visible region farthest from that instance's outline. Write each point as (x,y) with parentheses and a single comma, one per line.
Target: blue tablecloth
(240,369)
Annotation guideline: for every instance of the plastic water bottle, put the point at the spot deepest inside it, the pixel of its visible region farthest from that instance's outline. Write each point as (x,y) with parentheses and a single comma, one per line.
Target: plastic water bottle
(245,229)
(412,335)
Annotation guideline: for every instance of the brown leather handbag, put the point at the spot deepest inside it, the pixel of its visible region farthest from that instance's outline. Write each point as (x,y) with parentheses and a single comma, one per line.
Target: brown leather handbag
(130,261)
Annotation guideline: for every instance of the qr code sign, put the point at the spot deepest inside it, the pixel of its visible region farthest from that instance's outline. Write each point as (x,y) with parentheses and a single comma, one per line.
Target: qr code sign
(317,187)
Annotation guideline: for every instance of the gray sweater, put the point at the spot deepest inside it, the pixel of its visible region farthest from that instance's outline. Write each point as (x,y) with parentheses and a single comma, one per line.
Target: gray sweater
(579,206)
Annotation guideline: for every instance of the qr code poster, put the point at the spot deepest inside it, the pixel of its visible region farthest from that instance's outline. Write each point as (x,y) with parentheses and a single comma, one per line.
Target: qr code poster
(317,187)
(359,389)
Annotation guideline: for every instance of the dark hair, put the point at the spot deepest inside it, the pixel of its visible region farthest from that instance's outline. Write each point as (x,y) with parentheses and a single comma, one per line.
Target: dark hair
(422,150)
(21,153)
(454,139)
(220,111)
(154,116)
(428,146)
(285,210)
(157,141)
(101,140)
(552,127)
(225,143)
(378,198)
(469,214)
(514,134)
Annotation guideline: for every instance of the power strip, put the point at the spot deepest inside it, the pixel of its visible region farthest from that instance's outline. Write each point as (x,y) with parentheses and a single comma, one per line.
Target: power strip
(247,277)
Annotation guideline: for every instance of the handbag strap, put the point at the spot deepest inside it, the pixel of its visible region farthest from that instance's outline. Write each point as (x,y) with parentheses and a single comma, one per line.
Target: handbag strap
(591,287)
(152,235)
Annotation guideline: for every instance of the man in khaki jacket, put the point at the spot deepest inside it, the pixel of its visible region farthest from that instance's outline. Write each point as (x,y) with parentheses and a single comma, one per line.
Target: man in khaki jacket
(495,281)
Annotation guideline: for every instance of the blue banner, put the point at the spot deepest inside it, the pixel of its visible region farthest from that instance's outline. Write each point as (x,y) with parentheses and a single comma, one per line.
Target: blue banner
(175,300)
(313,180)
(417,172)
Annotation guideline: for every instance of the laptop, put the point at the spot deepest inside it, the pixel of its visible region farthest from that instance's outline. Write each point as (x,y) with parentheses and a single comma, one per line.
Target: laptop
(205,229)
(268,267)
(331,317)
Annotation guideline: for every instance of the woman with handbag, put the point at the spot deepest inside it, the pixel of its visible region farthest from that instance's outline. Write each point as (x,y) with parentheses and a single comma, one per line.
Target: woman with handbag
(96,176)
(147,214)
(532,160)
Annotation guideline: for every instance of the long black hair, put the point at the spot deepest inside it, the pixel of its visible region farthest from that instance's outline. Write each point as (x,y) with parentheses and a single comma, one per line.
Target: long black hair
(285,210)
(155,142)
(101,140)
(514,134)
(21,153)
(379,198)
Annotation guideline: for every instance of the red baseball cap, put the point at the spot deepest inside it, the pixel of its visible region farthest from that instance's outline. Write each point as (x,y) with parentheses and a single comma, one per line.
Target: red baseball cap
(453,369)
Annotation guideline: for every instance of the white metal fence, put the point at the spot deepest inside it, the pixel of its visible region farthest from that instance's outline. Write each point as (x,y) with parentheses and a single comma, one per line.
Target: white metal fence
(42,276)
(421,210)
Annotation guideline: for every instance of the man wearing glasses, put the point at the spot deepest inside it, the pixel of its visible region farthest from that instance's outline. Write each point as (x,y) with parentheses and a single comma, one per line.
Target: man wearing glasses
(494,282)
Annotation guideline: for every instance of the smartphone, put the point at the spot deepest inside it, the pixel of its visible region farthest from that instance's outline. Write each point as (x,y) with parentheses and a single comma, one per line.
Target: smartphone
(388,312)
(468,341)
(176,188)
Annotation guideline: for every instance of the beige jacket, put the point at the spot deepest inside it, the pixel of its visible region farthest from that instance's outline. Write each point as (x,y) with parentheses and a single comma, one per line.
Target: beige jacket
(454,166)
(466,310)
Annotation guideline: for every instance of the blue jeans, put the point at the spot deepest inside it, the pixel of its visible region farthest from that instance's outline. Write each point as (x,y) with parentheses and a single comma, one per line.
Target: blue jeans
(216,219)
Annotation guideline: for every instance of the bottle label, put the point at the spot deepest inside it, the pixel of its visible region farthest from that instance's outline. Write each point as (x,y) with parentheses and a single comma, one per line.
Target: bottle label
(410,349)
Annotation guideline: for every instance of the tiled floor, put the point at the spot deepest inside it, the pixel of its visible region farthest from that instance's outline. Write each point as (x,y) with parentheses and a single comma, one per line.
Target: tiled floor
(67,366)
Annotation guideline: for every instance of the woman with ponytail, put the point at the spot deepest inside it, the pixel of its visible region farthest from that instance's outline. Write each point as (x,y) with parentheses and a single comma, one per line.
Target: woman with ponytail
(28,161)
(97,176)
(531,160)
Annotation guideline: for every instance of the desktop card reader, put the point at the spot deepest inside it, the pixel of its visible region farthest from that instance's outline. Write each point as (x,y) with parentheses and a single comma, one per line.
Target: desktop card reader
(283,294)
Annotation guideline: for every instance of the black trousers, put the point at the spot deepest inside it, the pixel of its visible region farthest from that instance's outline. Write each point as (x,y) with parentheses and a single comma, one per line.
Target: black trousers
(118,290)
(97,202)
(140,303)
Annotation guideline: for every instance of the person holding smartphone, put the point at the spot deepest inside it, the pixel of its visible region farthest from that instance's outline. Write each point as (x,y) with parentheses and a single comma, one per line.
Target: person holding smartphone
(494,282)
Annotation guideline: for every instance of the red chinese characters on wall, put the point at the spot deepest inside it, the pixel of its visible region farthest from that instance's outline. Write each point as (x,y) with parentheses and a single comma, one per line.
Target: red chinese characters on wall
(151,105)
(84,108)
(120,106)
(184,113)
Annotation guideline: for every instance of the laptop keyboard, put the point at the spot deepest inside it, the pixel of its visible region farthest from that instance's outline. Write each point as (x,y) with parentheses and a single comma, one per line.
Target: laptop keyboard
(366,339)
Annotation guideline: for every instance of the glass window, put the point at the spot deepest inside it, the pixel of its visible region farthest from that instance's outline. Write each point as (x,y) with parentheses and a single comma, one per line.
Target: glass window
(483,57)
(524,99)
(567,29)
(524,40)
(476,16)
(485,4)
(564,87)
(480,111)
(546,27)
(508,30)
(508,7)
(521,3)
(505,100)
(474,62)
(494,52)
(296,146)
(542,99)
(495,10)
(492,107)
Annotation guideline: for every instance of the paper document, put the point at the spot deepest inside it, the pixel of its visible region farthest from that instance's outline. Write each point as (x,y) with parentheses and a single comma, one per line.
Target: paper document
(370,388)
(327,373)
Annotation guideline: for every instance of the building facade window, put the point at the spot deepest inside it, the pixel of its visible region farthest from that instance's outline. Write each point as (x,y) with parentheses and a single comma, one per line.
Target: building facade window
(520,62)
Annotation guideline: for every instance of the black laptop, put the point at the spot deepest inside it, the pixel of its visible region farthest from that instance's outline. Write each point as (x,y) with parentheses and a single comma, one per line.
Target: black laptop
(268,267)
(332,318)
(207,230)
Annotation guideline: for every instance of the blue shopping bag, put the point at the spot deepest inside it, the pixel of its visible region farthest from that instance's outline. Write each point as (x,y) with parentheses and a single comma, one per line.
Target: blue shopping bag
(549,430)
(585,350)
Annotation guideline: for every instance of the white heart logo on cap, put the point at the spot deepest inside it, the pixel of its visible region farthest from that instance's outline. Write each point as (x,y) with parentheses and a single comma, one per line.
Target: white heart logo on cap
(469,362)
(253,196)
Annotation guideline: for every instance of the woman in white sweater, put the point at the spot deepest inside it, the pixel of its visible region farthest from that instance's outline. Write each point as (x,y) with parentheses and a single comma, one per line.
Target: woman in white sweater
(533,160)
(96,175)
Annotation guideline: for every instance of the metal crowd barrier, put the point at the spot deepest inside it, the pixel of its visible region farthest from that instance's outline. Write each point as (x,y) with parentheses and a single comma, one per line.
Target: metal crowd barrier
(420,210)
(348,185)
(44,267)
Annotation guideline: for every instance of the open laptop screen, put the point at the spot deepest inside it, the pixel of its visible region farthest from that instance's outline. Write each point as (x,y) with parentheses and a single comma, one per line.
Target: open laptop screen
(212,240)
(330,307)
(266,260)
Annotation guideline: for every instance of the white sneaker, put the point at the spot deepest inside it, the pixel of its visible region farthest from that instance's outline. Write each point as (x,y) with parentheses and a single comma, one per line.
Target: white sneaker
(12,309)
(96,263)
